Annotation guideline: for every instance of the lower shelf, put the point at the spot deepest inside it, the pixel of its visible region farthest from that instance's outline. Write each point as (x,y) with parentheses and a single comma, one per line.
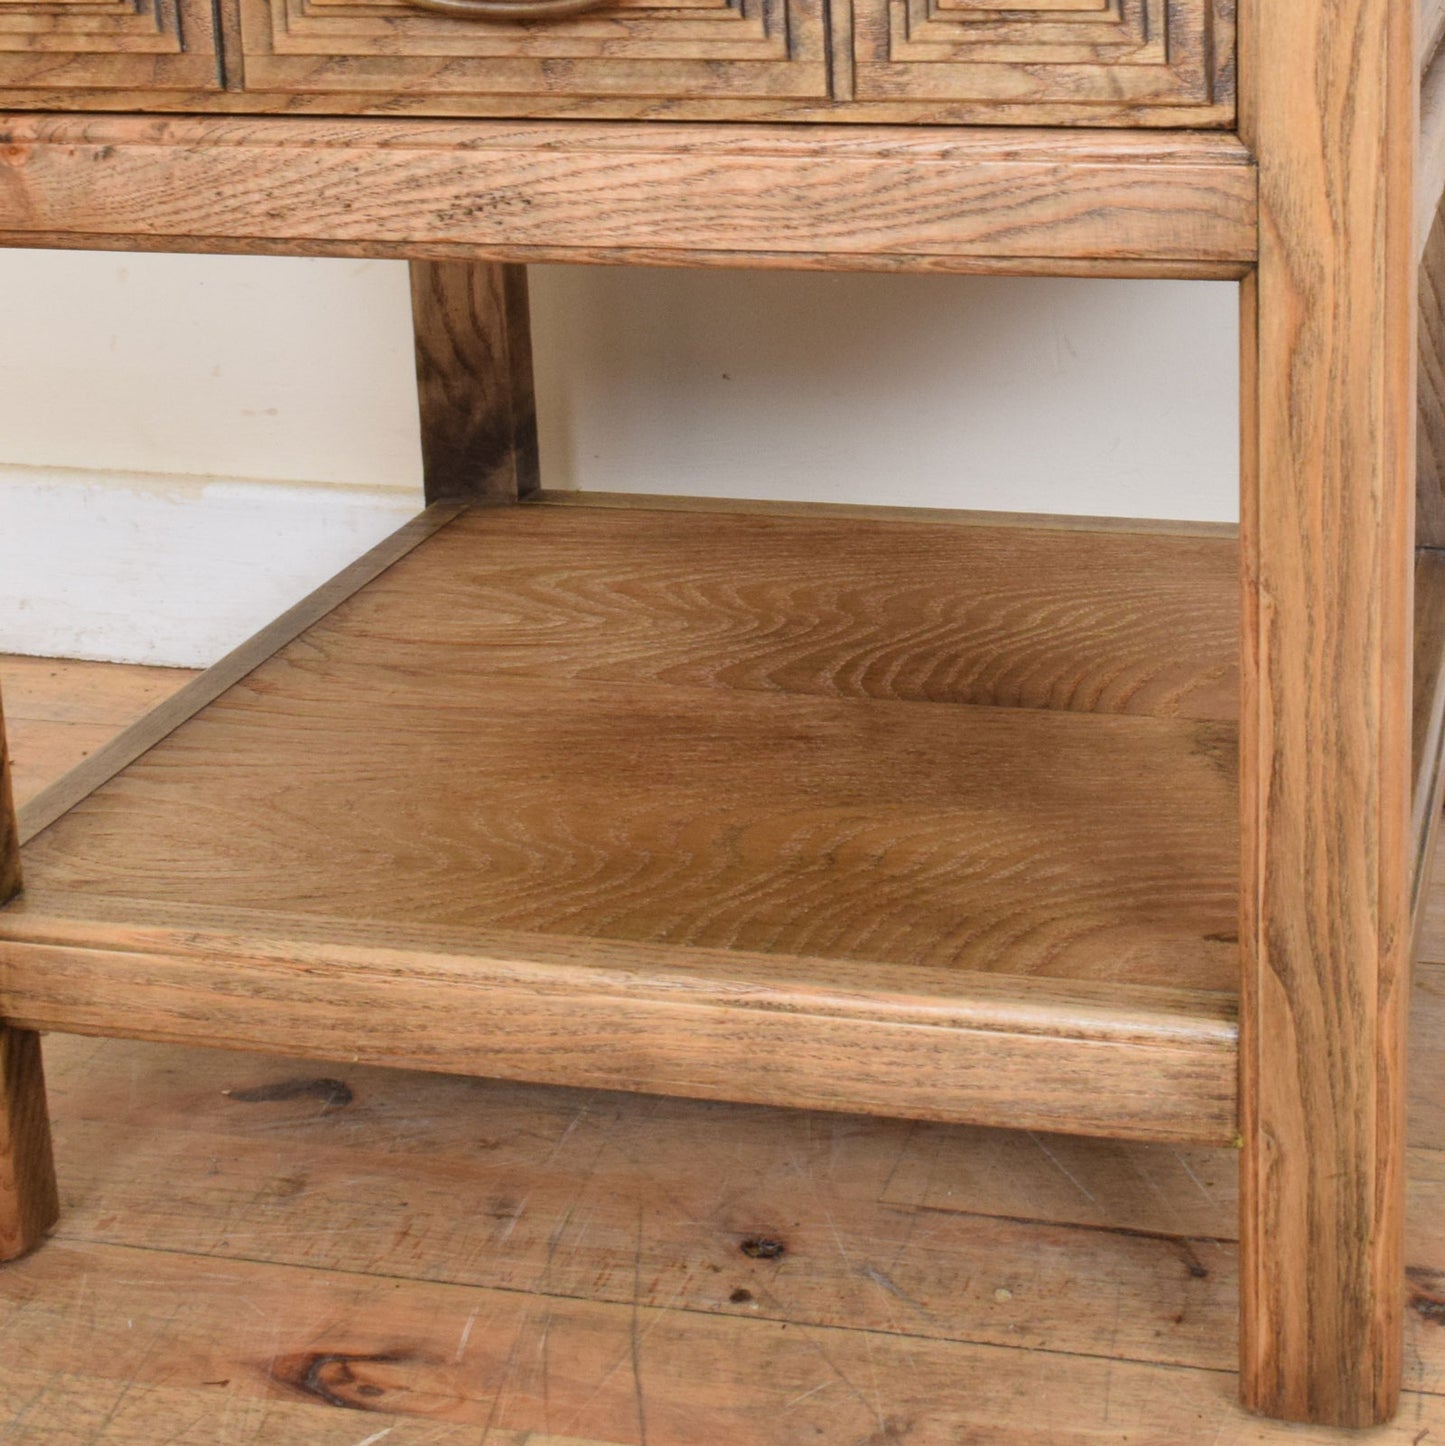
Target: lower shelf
(914,815)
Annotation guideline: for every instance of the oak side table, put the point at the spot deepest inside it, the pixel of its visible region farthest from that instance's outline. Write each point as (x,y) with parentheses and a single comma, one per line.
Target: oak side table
(1100,828)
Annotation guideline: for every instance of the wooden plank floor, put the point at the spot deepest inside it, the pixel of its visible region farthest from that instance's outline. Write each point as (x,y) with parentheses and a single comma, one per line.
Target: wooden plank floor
(253,1251)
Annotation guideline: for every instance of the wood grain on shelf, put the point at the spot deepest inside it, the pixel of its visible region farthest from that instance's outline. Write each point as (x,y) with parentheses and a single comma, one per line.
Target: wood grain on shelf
(845,603)
(473,341)
(1327,527)
(600,785)
(601,741)
(835,195)
(124,748)
(883,512)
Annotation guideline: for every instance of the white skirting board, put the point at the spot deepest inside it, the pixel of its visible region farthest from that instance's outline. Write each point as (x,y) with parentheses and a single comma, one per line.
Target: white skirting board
(139,568)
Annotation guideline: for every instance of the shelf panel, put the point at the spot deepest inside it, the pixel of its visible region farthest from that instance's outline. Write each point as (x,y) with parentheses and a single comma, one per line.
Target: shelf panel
(938,816)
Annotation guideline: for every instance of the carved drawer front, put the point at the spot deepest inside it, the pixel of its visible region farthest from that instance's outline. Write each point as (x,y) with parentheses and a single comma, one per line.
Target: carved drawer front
(61,52)
(634,58)
(1165,62)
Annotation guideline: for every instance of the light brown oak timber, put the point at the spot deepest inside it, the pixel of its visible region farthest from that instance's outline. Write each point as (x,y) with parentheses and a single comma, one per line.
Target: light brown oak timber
(890,263)
(883,1226)
(474,381)
(957,63)
(633,1373)
(28,1199)
(62,692)
(29,1202)
(893,785)
(936,1231)
(1139,1064)
(1328,558)
(940,747)
(78,52)
(863,602)
(147,731)
(1138,527)
(838,193)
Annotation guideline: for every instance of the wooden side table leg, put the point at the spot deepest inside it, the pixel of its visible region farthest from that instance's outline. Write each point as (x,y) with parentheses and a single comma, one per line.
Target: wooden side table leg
(1328,547)
(474,380)
(29,1203)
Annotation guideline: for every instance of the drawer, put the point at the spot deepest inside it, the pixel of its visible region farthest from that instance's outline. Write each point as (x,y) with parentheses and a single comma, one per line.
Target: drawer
(1089,61)
(1057,62)
(639,57)
(57,53)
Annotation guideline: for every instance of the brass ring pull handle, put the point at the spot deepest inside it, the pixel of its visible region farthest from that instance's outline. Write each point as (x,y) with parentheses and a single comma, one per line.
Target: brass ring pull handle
(509,9)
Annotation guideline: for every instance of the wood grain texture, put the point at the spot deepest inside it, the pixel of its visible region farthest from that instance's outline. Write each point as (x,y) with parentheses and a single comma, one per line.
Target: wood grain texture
(65,691)
(1141,1063)
(669,745)
(807,600)
(1152,64)
(759,764)
(473,342)
(29,1201)
(82,49)
(891,263)
(29,1198)
(1328,556)
(834,195)
(878,1225)
(124,748)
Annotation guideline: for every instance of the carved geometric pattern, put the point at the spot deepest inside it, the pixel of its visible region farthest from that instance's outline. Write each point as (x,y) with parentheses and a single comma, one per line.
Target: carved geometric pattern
(59,46)
(1121,53)
(68,25)
(630,49)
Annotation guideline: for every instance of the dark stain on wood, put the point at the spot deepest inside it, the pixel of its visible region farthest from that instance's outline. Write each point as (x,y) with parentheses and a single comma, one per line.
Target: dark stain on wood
(334,1094)
(335,1378)
(763,1247)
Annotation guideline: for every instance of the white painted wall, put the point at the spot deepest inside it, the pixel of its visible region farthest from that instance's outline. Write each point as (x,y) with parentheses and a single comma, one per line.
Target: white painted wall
(187,444)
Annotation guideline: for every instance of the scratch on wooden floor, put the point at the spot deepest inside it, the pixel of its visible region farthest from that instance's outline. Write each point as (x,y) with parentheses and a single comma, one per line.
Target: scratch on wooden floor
(885,1282)
(377,1436)
(1058,1164)
(465,1336)
(1188,1170)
